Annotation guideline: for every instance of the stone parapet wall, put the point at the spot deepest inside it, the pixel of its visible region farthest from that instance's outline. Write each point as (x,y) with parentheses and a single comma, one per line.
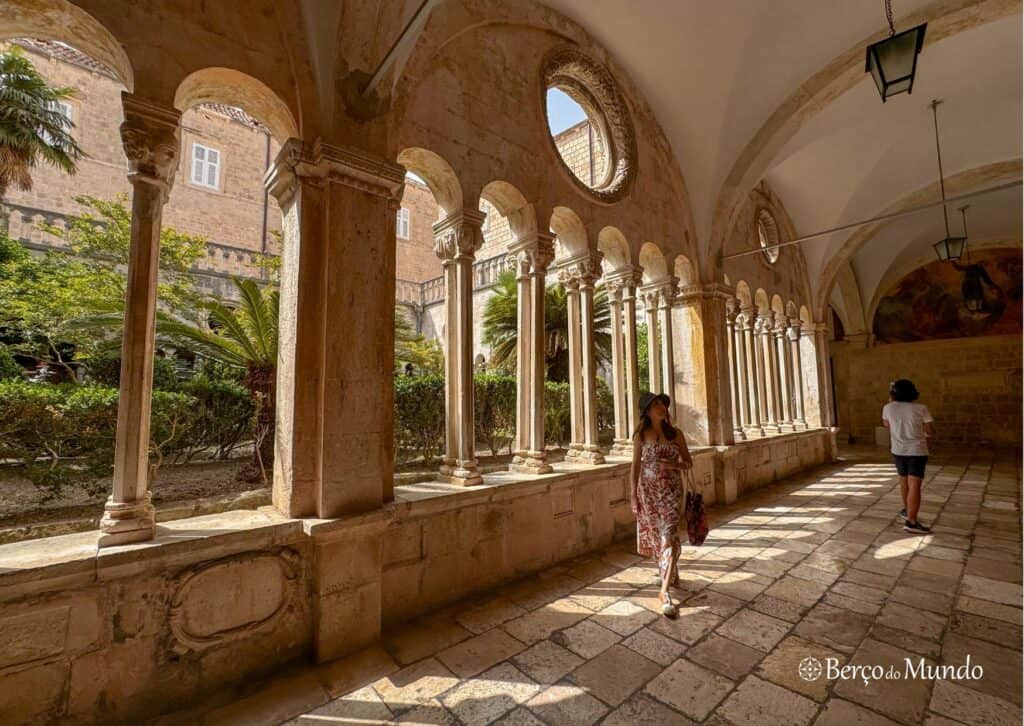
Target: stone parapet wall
(972,386)
(122,634)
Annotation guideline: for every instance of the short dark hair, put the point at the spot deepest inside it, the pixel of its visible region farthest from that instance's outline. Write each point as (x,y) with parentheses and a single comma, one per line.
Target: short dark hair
(903,390)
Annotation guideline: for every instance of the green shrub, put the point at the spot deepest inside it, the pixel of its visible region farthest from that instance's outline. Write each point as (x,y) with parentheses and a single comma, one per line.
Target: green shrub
(9,368)
(495,405)
(106,371)
(419,417)
(556,413)
(223,418)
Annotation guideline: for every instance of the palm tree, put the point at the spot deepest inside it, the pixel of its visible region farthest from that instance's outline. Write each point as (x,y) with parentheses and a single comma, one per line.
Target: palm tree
(242,337)
(32,127)
(501,331)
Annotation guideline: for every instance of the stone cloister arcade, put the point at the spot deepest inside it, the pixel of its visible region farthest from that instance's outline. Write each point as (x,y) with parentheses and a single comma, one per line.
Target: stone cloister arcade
(166,613)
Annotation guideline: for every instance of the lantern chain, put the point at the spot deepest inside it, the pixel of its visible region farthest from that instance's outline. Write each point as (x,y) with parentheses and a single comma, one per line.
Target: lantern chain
(888,16)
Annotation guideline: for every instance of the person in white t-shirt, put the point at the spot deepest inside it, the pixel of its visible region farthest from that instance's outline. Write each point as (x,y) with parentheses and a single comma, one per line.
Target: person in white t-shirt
(910,425)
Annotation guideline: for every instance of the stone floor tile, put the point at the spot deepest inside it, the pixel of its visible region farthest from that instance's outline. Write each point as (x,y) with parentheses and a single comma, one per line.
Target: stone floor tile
(422,638)
(344,675)
(838,712)
(601,594)
(781,609)
(849,603)
(861,592)
(982,628)
(689,688)
(489,695)
(414,685)
(836,628)
(586,639)
(795,590)
(541,623)
(547,662)
(1003,570)
(758,702)
(566,704)
(732,659)
(1002,674)
(906,641)
(767,567)
(361,705)
(913,620)
(903,699)
(933,566)
(483,616)
(929,582)
(869,579)
(741,585)
(1006,613)
(939,603)
(519,717)
(431,713)
(972,707)
(615,674)
(754,629)
(983,588)
(624,617)
(843,550)
(719,603)
(782,666)
(642,710)
(655,646)
(692,624)
(592,570)
(479,653)
(814,574)
(281,699)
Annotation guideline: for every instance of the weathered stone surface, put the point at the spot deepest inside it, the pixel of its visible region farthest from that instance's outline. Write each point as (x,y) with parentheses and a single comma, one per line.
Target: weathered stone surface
(690,689)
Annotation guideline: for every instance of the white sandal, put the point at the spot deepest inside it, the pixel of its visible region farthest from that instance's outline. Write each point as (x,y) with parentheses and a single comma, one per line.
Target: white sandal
(669,609)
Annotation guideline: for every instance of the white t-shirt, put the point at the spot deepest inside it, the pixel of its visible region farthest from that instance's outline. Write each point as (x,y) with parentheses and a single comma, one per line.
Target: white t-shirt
(906,427)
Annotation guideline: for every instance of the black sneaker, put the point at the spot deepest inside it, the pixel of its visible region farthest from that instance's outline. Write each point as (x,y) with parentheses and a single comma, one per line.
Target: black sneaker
(903,514)
(915,528)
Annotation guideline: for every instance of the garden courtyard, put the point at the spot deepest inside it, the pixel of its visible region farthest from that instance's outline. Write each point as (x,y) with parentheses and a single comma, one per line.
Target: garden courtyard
(817,567)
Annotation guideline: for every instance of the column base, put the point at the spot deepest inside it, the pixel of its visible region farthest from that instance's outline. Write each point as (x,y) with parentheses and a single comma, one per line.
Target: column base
(754,432)
(127,522)
(787,428)
(589,455)
(772,428)
(739,434)
(621,447)
(530,462)
(465,473)
(447,466)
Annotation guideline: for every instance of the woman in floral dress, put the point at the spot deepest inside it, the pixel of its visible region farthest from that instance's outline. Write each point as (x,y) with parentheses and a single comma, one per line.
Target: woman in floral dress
(659,456)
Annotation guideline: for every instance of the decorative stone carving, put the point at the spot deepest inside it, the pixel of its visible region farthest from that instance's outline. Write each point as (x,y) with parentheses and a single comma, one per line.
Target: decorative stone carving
(458,236)
(150,136)
(227,599)
(592,85)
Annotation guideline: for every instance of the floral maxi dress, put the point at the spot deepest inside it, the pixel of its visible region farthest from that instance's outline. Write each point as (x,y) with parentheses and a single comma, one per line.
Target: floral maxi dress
(658,496)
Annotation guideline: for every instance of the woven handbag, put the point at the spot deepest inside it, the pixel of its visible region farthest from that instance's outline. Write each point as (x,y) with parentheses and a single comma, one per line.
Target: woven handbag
(693,511)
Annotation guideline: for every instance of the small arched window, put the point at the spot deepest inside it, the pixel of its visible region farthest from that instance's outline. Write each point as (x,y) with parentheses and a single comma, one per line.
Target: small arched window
(768,235)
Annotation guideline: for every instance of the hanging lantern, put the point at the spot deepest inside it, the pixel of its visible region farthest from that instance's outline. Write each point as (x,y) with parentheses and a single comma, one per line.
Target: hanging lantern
(950,248)
(893,62)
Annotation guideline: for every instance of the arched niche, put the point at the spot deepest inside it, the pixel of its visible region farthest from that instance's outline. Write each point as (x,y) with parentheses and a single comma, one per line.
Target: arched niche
(438,176)
(234,88)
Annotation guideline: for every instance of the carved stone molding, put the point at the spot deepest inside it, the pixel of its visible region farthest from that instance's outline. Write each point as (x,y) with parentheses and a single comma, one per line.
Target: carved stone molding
(580,271)
(326,163)
(593,87)
(539,249)
(150,134)
(230,598)
(458,236)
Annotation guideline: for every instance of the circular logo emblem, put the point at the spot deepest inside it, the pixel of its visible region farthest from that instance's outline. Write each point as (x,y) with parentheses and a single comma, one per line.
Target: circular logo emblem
(810,669)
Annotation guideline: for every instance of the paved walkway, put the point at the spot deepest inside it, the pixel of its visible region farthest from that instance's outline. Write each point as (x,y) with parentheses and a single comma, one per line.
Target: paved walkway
(810,575)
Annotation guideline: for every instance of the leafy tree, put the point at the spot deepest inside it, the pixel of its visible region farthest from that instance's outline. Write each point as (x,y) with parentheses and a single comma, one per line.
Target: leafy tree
(243,337)
(69,303)
(426,356)
(643,363)
(32,127)
(501,327)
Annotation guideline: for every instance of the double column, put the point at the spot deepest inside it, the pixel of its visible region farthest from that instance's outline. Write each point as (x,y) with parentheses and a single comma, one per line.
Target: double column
(532,258)
(769,371)
(793,345)
(579,275)
(787,416)
(456,240)
(737,373)
(621,287)
(658,299)
(754,380)
(150,135)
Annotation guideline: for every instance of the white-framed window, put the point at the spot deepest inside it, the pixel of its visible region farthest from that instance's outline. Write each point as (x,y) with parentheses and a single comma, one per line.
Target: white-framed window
(67,111)
(403,223)
(205,166)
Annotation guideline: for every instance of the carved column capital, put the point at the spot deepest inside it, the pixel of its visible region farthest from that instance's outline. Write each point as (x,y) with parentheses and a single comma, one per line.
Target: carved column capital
(538,249)
(582,270)
(150,134)
(661,293)
(794,330)
(458,236)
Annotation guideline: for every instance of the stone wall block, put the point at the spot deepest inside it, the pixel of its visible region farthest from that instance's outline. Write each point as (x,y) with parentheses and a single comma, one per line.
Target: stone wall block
(33,695)
(347,621)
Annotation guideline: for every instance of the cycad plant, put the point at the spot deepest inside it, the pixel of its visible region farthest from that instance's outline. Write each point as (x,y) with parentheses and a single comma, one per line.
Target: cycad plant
(501,330)
(242,337)
(32,127)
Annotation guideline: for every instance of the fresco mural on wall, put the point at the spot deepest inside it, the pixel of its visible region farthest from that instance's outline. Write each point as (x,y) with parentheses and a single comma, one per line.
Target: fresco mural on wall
(954,300)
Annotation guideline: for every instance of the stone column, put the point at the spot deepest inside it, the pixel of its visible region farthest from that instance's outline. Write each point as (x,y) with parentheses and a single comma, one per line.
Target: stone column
(535,254)
(770,371)
(632,364)
(653,357)
(579,274)
(793,336)
(456,240)
(755,354)
(150,135)
(742,372)
(622,445)
(335,409)
(828,415)
(666,294)
(781,350)
(731,311)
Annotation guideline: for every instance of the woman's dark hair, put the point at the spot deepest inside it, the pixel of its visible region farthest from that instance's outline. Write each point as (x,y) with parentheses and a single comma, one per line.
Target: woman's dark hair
(645,423)
(903,390)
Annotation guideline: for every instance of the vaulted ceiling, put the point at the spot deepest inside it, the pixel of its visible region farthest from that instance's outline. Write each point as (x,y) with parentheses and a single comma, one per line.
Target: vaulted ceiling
(748,90)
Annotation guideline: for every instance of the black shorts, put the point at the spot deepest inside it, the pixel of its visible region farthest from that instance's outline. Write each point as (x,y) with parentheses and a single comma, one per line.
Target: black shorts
(910,465)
